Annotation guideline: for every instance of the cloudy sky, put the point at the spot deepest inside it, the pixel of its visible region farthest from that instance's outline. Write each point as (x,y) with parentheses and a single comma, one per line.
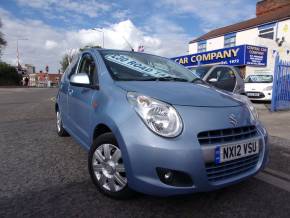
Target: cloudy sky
(164,27)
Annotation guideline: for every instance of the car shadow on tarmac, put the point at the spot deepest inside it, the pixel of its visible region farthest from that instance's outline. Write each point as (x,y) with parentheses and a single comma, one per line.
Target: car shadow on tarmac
(247,199)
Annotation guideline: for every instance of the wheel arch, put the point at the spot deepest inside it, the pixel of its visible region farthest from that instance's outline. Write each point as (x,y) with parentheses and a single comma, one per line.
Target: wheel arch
(56,108)
(100,129)
(108,125)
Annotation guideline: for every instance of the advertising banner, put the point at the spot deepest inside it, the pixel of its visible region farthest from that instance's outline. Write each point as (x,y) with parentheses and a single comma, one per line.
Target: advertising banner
(256,56)
(235,56)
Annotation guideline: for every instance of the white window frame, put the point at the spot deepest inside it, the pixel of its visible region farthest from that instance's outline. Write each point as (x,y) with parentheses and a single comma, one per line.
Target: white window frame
(201,46)
(230,40)
(267,29)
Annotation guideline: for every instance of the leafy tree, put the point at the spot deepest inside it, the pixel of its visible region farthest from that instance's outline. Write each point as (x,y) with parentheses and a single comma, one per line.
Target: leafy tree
(9,75)
(2,40)
(65,61)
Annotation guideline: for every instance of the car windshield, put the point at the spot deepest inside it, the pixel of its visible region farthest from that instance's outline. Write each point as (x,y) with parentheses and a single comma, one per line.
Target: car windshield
(133,66)
(259,79)
(200,71)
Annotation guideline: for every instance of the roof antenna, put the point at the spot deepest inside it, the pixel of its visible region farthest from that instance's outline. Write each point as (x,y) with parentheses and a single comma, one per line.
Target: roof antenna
(132,49)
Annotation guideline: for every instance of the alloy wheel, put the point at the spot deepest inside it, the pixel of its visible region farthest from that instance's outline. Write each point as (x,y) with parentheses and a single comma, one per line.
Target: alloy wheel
(108,168)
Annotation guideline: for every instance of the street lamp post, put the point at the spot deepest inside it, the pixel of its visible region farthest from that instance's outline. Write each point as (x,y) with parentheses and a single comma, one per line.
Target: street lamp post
(101,31)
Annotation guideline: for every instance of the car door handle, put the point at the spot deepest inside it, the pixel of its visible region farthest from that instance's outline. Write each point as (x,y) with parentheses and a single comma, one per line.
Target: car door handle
(70,91)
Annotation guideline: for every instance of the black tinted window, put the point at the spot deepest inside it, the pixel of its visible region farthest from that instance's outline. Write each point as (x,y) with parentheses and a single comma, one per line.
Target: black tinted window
(87,66)
(73,66)
(222,73)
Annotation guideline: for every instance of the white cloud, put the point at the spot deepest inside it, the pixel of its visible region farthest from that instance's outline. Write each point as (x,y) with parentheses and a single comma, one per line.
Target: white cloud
(50,44)
(46,45)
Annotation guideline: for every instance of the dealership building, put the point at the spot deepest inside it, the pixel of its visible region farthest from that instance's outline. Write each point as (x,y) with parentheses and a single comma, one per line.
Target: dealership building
(251,45)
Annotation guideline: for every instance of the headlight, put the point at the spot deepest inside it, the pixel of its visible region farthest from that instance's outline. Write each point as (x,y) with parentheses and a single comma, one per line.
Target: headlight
(159,117)
(249,104)
(268,88)
(252,109)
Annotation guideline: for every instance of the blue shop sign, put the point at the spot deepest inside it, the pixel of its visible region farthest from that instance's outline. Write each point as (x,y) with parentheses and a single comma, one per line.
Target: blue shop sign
(235,56)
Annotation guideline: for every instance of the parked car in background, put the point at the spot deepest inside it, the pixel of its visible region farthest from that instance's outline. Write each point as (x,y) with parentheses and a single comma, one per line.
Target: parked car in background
(150,125)
(259,87)
(222,76)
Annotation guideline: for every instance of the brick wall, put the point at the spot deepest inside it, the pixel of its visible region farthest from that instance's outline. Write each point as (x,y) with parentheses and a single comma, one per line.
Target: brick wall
(265,6)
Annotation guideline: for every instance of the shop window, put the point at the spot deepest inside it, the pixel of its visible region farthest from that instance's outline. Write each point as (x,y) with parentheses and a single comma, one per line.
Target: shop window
(230,40)
(267,31)
(201,46)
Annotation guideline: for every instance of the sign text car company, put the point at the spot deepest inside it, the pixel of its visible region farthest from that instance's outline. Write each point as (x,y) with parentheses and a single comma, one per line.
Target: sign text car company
(236,56)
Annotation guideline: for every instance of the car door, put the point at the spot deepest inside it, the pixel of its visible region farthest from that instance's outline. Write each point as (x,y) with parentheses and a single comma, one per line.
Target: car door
(223,78)
(63,90)
(80,100)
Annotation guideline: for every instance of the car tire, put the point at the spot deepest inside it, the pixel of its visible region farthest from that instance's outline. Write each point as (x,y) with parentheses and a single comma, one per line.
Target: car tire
(59,125)
(107,169)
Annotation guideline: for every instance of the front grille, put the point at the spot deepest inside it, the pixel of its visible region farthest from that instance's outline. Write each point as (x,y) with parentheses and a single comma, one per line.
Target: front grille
(217,172)
(226,135)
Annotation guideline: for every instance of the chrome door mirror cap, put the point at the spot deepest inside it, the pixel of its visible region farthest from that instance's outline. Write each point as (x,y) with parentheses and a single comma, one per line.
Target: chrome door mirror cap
(80,79)
(213,80)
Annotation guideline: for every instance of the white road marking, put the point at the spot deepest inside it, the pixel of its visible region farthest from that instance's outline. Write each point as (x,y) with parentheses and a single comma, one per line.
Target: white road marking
(53,99)
(273,180)
(278,174)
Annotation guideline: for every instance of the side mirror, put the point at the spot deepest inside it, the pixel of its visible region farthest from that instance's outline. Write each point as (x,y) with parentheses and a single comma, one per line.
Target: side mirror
(213,80)
(80,79)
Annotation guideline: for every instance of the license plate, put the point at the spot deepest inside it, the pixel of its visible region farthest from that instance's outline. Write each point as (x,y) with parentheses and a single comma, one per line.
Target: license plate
(230,152)
(255,94)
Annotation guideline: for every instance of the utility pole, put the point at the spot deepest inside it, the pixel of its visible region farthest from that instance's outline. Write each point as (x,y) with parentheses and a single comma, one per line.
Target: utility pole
(101,31)
(17,50)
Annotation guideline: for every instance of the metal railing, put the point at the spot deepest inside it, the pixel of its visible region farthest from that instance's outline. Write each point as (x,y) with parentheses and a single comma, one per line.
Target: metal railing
(281,85)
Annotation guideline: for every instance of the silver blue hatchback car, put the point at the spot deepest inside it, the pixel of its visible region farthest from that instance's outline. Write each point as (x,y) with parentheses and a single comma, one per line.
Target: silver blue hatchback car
(151,126)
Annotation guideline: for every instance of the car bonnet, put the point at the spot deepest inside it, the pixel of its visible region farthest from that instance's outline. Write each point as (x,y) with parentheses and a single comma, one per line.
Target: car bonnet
(181,93)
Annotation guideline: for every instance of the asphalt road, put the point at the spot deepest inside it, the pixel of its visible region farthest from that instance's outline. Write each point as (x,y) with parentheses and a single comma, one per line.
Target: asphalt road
(43,175)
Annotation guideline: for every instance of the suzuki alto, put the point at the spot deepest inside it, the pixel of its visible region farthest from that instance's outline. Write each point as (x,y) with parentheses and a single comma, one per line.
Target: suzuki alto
(152,126)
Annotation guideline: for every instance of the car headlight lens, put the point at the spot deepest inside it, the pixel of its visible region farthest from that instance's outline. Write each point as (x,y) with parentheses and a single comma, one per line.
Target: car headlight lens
(252,109)
(249,104)
(268,88)
(159,117)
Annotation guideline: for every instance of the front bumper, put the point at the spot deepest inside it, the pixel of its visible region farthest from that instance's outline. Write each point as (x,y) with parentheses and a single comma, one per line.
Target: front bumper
(143,151)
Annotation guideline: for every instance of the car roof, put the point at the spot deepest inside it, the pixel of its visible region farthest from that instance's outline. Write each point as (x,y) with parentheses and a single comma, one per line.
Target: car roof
(117,50)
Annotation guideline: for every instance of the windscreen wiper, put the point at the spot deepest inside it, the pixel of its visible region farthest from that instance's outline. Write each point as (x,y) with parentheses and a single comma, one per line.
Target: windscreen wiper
(169,78)
(197,80)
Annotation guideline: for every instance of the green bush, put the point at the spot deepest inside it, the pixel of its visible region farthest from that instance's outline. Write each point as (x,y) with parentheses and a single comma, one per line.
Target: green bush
(9,75)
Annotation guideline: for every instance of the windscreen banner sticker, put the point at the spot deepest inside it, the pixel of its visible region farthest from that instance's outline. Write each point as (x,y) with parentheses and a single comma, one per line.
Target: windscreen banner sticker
(135,65)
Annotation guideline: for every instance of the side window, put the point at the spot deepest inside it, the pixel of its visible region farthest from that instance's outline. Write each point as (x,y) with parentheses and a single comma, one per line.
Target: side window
(225,78)
(88,66)
(222,73)
(226,74)
(73,67)
(213,74)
